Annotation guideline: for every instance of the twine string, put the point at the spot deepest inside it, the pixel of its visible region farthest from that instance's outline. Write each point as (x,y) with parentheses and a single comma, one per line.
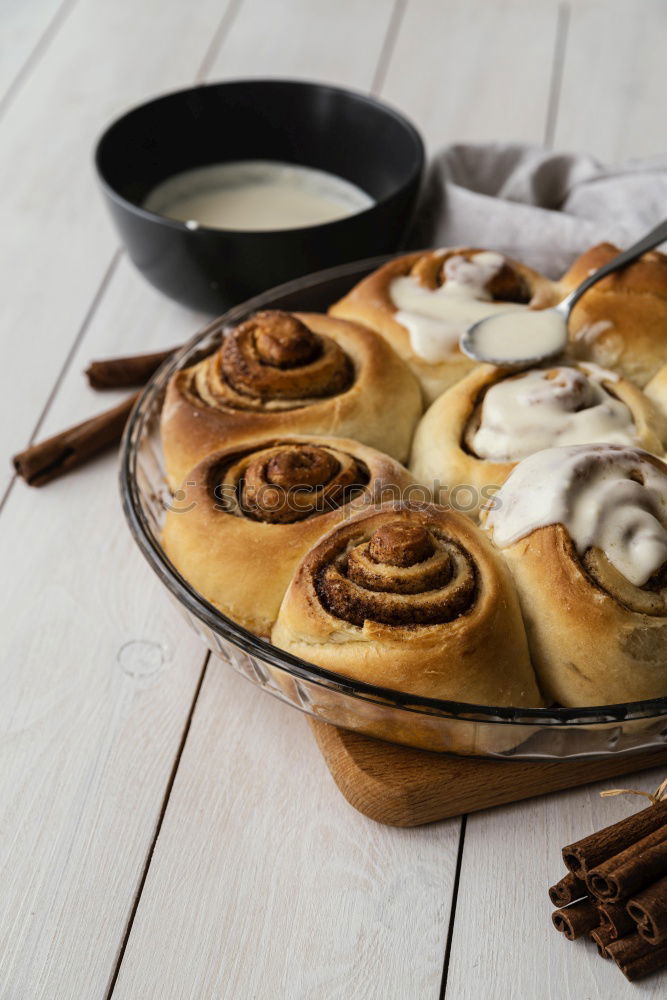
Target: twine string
(654,797)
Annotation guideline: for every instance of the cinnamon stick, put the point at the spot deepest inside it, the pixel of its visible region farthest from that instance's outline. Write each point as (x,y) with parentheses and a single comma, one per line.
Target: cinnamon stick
(602,936)
(636,958)
(616,918)
(40,463)
(586,854)
(638,865)
(125,372)
(649,909)
(567,890)
(576,919)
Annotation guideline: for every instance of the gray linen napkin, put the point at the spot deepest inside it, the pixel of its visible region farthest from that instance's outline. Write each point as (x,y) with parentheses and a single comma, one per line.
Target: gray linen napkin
(542,207)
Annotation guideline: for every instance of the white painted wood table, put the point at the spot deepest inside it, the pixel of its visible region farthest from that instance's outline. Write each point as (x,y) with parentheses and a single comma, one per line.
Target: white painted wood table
(166,830)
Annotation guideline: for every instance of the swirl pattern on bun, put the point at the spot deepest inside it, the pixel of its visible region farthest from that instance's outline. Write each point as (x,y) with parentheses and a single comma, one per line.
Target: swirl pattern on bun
(245,517)
(280,373)
(403,575)
(410,597)
(288,481)
(274,360)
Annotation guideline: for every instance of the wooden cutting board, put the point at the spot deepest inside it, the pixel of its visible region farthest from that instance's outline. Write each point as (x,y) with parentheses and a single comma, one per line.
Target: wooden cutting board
(400,786)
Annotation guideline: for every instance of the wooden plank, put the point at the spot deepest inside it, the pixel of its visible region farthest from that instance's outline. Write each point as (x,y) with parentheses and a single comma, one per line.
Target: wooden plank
(98,675)
(611,102)
(265,883)
(474,72)
(57,241)
(336,43)
(26,28)
(504,945)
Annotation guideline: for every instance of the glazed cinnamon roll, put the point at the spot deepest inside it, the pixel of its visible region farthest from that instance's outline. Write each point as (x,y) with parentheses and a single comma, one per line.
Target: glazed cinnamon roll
(411,598)
(470,439)
(621,322)
(245,517)
(423,302)
(281,373)
(584,532)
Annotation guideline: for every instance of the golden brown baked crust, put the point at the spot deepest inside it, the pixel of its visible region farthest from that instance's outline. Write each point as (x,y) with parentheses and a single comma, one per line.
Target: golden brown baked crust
(656,389)
(588,648)
(595,638)
(246,516)
(443,460)
(621,322)
(281,373)
(411,598)
(370,303)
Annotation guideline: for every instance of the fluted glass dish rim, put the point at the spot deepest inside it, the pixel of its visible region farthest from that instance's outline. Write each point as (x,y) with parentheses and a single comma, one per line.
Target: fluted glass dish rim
(150,401)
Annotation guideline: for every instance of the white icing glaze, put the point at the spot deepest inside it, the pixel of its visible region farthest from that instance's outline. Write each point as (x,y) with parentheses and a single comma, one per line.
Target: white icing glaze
(545,407)
(254,195)
(436,319)
(591,490)
(520,335)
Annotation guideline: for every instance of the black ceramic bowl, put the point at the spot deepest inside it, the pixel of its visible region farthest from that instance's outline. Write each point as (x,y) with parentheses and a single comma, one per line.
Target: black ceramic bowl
(347,134)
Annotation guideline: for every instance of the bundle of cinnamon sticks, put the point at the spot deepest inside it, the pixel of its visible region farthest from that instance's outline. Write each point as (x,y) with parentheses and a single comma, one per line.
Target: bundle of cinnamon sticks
(615,892)
(40,463)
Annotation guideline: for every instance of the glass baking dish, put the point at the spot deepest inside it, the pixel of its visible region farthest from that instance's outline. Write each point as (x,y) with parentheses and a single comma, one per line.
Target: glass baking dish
(442,726)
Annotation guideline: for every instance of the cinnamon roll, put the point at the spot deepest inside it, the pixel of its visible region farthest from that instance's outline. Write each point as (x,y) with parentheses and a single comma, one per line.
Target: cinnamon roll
(423,302)
(281,373)
(411,598)
(621,322)
(584,532)
(245,517)
(470,439)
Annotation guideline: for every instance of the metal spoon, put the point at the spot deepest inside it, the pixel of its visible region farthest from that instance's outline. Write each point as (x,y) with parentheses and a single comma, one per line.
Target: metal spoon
(501,339)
